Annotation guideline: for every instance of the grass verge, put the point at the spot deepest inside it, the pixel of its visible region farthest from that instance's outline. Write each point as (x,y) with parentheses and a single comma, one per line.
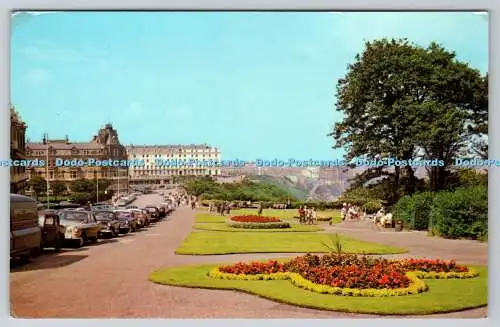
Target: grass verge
(222,227)
(288,214)
(444,295)
(208,242)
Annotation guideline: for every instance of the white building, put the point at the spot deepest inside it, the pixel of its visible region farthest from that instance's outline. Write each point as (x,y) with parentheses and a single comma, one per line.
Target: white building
(162,162)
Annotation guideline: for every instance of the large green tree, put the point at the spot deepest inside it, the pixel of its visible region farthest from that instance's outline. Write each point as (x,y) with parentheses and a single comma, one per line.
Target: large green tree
(404,101)
(38,184)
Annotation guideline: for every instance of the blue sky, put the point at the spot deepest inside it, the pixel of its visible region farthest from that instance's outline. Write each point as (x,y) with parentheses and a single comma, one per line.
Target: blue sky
(257,85)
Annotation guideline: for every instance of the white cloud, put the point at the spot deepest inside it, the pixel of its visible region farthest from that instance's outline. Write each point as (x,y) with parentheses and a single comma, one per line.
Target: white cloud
(38,76)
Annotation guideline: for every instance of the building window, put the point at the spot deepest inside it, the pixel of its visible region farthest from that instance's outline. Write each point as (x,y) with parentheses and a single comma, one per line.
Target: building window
(73,174)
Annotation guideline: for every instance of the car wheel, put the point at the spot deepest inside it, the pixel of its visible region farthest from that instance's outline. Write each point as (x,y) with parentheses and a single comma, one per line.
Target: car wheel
(80,242)
(58,243)
(24,258)
(35,252)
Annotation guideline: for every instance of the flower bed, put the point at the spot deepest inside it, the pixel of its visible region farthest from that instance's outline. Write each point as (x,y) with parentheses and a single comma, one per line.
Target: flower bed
(349,274)
(256,222)
(255,219)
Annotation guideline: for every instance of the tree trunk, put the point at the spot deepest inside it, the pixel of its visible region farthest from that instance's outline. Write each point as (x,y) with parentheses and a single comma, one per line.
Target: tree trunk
(395,195)
(410,174)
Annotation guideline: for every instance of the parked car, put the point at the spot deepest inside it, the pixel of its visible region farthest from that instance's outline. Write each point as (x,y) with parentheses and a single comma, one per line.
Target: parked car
(126,218)
(52,231)
(141,218)
(154,212)
(109,222)
(102,206)
(25,234)
(147,214)
(79,226)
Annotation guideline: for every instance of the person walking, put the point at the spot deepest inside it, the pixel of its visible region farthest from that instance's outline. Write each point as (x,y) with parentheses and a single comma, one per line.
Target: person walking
(302,215)
(260,209)
(313,216)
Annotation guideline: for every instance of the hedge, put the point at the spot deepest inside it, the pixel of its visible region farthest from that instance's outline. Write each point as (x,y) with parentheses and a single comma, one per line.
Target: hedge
(461,214)
(83,198)
(415,210)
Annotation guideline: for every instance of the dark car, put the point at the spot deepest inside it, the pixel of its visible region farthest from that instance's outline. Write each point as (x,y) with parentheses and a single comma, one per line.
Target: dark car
(128,222)
(52,231)
(109,221)
(154,212)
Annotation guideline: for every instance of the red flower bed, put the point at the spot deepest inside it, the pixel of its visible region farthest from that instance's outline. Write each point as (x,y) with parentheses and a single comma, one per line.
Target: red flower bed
(255,219)
(348,271)
(253,268)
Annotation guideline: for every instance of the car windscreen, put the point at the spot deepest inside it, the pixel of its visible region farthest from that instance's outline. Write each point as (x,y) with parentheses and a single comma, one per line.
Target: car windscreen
(123,215)
(73,216)
(104,215)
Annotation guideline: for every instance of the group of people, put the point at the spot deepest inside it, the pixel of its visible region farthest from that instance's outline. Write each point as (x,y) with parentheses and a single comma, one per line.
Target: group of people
(382,218)
(220,208)
(307,215)
(351,212)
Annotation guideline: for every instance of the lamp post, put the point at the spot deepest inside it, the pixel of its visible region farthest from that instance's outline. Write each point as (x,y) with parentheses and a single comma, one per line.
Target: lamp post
(97,187)
(118,191)
(47,170)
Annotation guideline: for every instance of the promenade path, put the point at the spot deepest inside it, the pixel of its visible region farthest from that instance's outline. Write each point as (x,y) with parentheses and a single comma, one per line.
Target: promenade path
(109,280)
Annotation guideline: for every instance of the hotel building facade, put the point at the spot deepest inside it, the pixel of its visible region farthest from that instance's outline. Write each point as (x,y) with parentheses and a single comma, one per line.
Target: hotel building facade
(103,146)
(152,172)
(18,175)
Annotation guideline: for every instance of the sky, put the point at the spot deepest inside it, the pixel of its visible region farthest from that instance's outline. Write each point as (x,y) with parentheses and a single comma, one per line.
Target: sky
(254,84)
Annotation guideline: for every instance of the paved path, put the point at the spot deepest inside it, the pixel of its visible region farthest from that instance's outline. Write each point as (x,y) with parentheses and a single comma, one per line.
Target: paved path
(109,280)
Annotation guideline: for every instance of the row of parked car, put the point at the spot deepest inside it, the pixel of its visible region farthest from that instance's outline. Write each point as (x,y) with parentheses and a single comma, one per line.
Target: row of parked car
(33,230)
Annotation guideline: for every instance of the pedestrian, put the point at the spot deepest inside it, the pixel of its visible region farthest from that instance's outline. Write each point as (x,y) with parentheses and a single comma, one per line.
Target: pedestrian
(193,205)
(228,208)
(302,214)
(260,209)
(313,215)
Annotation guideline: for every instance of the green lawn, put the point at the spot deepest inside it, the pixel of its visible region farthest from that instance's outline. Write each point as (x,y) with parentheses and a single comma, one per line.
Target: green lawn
(208,242)
(444,295)
(288,214)
(222,227)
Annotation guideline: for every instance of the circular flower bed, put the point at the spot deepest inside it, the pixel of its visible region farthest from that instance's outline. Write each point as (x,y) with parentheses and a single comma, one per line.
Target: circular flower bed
(252,221)
(346,274)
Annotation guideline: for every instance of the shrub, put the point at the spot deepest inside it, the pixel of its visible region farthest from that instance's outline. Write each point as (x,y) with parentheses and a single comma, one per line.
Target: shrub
(415,210)
(372,206)
(461,214)
(80,197)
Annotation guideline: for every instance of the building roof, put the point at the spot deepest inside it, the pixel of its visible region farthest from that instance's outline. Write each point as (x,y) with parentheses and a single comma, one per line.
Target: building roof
(15,117)
(158,149)
(169,147)
(63,145)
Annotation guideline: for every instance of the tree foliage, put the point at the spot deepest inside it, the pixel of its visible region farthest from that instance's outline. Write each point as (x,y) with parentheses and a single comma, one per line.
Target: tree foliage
(58,188)
(405,101)
(38,184)
(206,188)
